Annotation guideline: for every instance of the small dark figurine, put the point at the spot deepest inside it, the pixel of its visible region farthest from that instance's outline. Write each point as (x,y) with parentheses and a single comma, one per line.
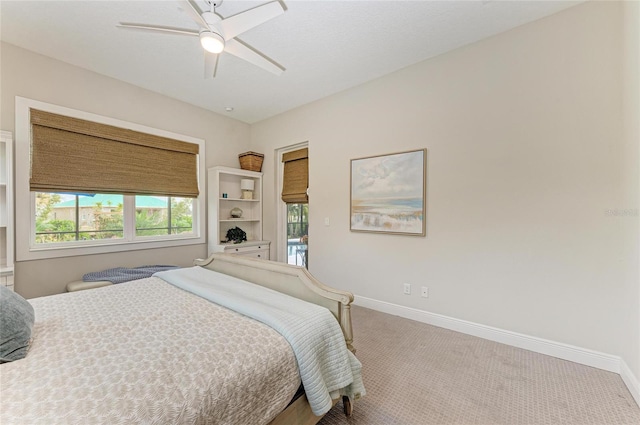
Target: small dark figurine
(237,235)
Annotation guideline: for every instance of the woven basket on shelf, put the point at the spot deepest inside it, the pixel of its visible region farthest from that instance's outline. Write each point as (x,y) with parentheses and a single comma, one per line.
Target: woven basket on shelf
(251,161)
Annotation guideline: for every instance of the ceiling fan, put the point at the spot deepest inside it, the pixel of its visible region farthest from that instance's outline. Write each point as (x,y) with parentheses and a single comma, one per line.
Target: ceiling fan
(217,35)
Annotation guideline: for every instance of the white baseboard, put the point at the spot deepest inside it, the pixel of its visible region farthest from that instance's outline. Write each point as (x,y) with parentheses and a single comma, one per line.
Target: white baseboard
(572,353)
(630,381)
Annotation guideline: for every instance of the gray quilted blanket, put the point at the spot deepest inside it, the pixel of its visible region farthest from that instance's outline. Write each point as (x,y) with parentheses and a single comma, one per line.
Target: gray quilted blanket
(125,274)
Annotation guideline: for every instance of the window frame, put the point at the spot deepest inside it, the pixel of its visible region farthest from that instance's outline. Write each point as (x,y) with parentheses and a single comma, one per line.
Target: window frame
(27,249)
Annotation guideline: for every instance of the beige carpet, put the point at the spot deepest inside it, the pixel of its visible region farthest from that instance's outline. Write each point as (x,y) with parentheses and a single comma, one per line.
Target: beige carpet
(417,374)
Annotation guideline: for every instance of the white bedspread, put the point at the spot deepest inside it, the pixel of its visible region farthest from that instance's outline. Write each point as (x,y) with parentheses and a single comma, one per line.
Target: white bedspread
(327,367)
(145,352)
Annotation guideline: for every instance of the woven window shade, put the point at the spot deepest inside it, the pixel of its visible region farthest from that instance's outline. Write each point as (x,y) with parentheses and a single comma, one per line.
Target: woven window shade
(296,177)
(74,155)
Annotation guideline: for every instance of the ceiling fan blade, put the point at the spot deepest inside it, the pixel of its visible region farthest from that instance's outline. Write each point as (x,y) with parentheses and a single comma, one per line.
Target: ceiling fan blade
(243,51)
(157,28)
(210,64)
(237,24)
(194,13)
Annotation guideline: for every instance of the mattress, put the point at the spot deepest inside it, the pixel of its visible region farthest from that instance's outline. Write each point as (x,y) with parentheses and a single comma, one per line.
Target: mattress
(146,352)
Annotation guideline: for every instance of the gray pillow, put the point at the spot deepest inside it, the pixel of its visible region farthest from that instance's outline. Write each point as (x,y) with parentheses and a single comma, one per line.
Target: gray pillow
(16,321)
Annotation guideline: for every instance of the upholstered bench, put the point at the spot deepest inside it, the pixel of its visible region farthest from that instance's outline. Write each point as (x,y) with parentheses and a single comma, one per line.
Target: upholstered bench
(80,285)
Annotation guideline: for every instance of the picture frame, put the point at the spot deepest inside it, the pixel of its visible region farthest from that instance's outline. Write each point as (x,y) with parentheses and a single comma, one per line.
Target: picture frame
(388,193)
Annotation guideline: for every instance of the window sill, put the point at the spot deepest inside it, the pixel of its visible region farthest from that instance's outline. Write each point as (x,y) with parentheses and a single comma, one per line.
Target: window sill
(58,251)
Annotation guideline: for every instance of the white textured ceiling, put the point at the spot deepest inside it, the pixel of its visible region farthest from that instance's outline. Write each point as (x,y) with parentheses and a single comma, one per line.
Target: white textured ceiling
(325,46)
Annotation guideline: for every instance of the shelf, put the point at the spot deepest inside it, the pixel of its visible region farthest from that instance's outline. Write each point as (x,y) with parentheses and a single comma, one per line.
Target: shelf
(244,243)
(6,271)
(239,219)
(239,200)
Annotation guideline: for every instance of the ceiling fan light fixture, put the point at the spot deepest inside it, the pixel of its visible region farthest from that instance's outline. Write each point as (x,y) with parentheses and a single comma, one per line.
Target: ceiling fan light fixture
(211,41)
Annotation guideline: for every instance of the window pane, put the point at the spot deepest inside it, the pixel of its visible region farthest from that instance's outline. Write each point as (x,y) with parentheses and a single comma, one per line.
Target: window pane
(181,215)
(63,217)
(151,215)
(297,231)
(154,218)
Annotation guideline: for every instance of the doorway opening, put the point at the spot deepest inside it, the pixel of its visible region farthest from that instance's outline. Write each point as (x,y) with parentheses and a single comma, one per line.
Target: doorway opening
(292,212)
(297,234)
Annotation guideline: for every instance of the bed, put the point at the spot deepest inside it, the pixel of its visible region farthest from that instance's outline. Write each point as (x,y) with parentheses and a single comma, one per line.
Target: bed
(165,350)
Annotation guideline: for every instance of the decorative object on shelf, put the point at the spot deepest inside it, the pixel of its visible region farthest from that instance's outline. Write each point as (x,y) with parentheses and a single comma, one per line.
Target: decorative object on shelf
(236,235)
(377,205)
(251,161)
(247,185)
(224,195)
(236,213)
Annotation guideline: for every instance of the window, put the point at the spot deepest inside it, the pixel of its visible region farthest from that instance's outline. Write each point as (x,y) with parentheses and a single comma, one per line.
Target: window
(92,204)
(61,217)
(167,215)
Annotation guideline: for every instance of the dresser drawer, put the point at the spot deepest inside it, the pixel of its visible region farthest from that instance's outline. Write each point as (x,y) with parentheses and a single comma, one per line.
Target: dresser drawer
(245,249)
(249,249)
(256,251)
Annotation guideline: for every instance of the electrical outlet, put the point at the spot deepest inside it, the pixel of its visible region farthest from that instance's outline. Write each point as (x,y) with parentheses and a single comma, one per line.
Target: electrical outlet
(407,289)
(425,292)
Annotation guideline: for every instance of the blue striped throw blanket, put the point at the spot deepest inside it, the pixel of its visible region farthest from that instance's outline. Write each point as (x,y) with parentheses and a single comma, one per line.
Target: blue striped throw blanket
(125,274)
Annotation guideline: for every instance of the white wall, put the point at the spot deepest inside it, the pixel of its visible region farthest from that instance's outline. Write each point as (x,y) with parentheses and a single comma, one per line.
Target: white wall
(631,184)
(26,74)
(526,176)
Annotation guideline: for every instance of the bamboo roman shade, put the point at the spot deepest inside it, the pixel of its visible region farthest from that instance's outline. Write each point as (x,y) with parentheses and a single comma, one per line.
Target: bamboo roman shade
(74,155)
(295,179)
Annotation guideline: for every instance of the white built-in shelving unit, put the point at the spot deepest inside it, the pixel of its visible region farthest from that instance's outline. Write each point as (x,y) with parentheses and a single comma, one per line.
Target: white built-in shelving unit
(6,209)
(224,194)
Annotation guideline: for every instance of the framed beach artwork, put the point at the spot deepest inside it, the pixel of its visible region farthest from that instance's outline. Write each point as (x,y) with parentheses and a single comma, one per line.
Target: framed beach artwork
(388,193)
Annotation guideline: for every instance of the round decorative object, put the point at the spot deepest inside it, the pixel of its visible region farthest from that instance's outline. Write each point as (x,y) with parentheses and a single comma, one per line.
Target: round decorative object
(236,212)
